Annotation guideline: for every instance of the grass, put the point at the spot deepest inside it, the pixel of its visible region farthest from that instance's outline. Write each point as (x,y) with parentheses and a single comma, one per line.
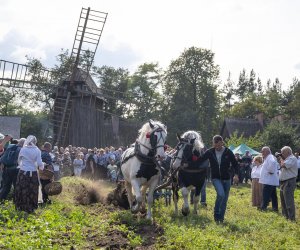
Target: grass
(66,224)
(245,227)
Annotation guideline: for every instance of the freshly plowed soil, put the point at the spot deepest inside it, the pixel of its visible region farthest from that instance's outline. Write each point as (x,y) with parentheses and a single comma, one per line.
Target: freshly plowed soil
(91,195)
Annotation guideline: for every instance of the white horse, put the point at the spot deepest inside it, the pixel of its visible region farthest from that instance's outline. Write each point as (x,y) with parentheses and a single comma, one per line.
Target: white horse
(190,175)
(139,165)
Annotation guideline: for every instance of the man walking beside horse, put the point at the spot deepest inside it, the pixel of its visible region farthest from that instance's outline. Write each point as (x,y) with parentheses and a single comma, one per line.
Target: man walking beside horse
(221,160)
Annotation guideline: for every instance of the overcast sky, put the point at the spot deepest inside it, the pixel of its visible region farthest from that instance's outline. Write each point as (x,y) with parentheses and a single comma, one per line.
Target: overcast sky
(259,34)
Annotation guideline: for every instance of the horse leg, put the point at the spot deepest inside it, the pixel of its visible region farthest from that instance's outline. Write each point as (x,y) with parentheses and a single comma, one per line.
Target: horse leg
(175,198)
(150,198)
(138,196)
(143,207)
(128,188)
(185,207)
(197,194)
(196,202)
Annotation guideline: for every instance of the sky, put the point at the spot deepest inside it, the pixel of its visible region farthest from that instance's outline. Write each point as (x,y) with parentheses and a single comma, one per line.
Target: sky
(263,35)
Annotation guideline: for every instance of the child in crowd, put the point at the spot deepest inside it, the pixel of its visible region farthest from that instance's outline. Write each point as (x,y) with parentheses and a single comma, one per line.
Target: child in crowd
(78,165)
(256,186)
(112,171)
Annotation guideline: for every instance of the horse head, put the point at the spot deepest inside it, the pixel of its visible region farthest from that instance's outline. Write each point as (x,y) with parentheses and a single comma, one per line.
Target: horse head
(189,144)
(153,137)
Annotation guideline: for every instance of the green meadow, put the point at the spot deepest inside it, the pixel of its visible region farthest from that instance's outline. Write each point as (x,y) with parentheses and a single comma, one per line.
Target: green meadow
(65,224)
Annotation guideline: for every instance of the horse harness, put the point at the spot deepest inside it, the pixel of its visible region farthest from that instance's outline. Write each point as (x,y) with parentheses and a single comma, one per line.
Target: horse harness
(150,158)
(173,175)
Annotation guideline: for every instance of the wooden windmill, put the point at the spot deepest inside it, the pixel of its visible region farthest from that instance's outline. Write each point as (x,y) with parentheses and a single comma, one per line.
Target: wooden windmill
(77,98)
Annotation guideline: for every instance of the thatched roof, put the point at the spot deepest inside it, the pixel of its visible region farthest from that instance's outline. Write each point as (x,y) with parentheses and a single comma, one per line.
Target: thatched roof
(247,127)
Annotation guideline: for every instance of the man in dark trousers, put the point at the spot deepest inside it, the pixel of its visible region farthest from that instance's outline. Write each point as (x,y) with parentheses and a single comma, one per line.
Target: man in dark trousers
(221,160)
(10,171)
(46,158)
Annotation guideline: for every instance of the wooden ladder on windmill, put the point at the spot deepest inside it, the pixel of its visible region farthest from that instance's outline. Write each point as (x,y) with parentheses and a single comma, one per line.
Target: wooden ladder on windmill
(87,37)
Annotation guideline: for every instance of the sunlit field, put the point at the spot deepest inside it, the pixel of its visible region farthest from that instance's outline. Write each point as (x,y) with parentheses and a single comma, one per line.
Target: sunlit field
(67,225)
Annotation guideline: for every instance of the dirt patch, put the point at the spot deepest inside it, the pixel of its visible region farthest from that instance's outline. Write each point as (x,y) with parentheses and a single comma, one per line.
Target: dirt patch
(113,239)
(118,196)
(149,234)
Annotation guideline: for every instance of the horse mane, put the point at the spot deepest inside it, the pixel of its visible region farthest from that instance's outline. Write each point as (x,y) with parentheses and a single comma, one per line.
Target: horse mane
(146,128)
(191,134)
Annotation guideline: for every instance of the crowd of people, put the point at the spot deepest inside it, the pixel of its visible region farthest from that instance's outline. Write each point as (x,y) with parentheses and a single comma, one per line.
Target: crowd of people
(21,159)
(266,172)
(23,166)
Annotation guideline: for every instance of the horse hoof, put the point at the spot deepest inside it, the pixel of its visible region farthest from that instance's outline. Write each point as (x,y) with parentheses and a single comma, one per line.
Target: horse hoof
(134,210)
(185,211)
(143,210)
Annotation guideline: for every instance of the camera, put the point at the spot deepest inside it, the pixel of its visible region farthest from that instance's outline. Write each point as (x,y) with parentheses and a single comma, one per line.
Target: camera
(279,155)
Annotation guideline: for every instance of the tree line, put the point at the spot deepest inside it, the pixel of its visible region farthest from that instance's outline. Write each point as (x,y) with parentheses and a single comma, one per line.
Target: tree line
(188,94)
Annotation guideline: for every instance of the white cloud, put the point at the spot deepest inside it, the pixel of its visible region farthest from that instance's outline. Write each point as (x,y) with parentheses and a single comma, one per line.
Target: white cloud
(262,35)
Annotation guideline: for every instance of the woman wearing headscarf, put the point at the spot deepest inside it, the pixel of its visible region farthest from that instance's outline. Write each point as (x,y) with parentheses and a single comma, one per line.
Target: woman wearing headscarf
(27,186)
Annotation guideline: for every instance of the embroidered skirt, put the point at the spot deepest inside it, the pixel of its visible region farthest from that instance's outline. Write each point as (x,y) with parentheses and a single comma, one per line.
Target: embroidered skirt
(27,190)
(256,192)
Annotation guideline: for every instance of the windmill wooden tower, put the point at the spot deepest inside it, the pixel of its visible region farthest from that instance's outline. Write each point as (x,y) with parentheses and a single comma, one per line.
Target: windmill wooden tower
(74,116)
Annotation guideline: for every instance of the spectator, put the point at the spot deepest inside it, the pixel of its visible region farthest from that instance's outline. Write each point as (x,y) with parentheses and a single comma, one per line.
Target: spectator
(112,171)
(287,177)
(255,185)
(10,171)
(270,179)
(4,142)
(102,164)
(27,185)
(67,168)
(298,164)
(78,165)
(240,170)
(47,159)
(56,161)
(90,166)
(246,161)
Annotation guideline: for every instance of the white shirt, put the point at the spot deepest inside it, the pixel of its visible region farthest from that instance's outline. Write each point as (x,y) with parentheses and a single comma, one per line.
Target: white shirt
(290,170)
(269,171)
(78,163)
(298,162)
(30,158)
(255,173)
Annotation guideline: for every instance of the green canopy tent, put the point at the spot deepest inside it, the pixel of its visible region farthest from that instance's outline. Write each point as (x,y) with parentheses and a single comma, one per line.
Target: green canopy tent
(231,147)
(243,148)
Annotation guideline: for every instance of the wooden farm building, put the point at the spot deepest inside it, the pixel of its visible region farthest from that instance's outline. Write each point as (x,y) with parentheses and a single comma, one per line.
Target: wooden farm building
(80,121)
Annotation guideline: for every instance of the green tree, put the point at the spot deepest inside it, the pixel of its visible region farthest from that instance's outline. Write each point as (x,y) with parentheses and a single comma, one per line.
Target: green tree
(8,104)
(274,99)
(248,107)
(279,134)
(254,142)
(292,101)
(33,123)
(114,86)
(246,85)
(241,90)
(190,95)
(145,89)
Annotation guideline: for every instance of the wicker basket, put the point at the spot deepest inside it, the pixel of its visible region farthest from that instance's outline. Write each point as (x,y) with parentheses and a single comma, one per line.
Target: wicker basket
(46,174)
(53,188)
